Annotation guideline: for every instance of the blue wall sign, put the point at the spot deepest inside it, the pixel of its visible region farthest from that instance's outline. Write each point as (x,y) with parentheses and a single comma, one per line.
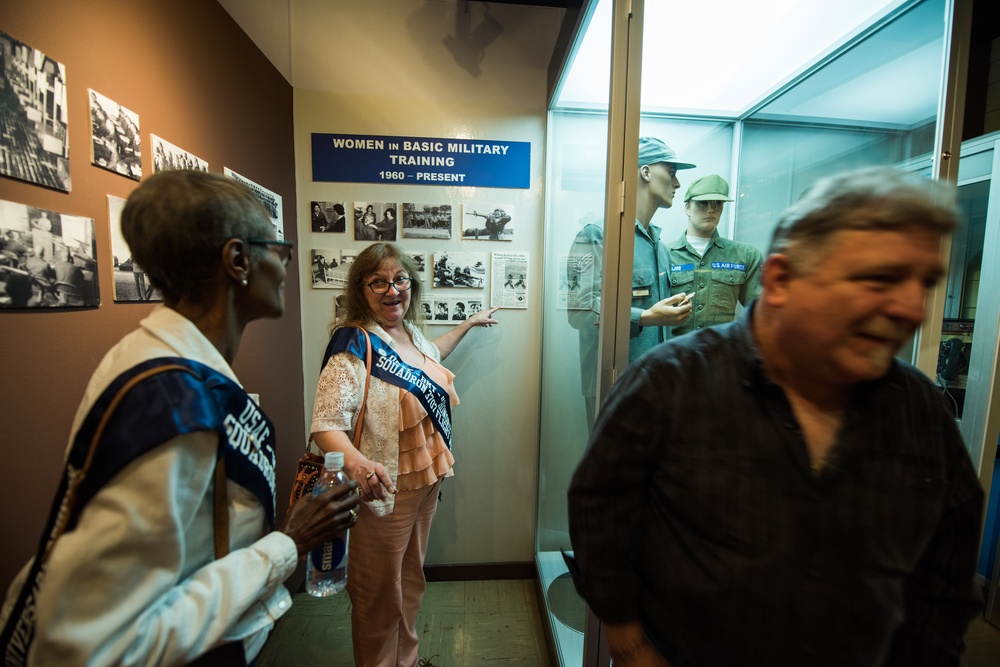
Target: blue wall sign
(361,158)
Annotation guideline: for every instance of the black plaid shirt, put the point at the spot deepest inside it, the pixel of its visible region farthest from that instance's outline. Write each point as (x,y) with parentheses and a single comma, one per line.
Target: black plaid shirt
(695,510)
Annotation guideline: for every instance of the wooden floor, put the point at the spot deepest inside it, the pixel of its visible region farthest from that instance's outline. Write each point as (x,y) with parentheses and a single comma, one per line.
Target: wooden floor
(460,623)
(473,623)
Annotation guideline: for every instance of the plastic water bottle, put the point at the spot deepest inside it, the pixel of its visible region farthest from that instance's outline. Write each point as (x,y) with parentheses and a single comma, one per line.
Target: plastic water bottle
(326,567)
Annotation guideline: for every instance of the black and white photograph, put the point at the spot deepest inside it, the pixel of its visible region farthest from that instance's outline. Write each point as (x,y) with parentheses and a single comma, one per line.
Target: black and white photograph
(441,309)
(486,222)
(426,221)
(115,140)
(374,221)
(47,259)
(449,309)
(460,269)
(420,259)
(166,156)
(131,284)
(509,279)
(34,144)
(328,269)
(328,216)
(270,200)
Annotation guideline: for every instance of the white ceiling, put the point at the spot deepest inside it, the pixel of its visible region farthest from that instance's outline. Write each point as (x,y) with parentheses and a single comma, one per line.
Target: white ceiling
(724,57)
(710,57)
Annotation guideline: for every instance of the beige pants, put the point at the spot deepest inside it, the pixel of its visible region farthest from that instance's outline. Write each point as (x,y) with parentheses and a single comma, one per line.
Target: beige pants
(385,579)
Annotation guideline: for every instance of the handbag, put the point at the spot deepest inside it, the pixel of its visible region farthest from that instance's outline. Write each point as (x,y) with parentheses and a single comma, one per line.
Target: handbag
(310,466)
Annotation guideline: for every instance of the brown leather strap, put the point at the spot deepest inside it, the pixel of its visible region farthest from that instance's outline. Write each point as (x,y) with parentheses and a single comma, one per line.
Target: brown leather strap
(364,401)
(221,509)
(77,479)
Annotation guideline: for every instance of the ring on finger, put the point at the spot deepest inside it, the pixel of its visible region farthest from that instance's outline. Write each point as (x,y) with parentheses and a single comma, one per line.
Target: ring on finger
(354,514)
(370,475)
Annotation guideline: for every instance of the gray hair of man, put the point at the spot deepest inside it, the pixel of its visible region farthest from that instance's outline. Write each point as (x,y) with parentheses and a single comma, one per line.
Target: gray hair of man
(176,223)
(869,199)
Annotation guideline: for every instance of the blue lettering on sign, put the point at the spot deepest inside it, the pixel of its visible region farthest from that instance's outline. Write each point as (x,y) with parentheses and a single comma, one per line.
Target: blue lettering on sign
(682,267)
(729,265)
(352,158)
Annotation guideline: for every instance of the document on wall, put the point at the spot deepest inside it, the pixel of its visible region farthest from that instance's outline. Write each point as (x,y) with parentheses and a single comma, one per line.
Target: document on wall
(270,200)
(509,280)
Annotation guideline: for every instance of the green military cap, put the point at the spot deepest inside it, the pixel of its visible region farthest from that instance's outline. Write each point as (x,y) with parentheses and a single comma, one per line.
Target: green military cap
(708,188)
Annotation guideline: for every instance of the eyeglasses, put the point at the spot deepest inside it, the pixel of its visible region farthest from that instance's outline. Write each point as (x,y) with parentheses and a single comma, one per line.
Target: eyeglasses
(381,286)
(283,248)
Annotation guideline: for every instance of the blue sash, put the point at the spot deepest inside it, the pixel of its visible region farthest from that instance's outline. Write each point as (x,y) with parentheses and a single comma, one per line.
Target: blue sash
(388,367)
(184,400)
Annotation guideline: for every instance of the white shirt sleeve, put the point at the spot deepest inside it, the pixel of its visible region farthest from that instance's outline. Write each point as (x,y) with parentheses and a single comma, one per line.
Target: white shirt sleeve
(136,582)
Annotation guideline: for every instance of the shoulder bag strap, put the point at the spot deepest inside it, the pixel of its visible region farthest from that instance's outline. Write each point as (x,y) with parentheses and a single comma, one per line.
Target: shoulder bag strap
(78,478)
(221,509)
(364,401)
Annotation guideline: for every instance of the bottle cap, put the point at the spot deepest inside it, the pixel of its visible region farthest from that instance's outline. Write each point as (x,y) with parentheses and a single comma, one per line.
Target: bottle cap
(333,460)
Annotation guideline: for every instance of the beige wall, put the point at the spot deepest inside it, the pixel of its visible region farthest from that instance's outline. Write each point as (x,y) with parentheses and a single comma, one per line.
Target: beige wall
(380,67)
(196,80)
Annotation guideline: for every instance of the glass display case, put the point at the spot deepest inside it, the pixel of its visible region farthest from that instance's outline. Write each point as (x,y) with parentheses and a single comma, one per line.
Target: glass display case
(771,97)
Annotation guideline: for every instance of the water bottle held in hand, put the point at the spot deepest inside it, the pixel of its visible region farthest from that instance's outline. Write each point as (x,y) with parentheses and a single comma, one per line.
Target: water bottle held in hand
(326,566)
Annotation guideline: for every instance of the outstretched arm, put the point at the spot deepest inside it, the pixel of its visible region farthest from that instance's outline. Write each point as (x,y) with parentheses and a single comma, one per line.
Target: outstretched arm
(447,342)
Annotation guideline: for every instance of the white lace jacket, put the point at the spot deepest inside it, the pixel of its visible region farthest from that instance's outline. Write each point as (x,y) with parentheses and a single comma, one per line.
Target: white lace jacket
(339,394)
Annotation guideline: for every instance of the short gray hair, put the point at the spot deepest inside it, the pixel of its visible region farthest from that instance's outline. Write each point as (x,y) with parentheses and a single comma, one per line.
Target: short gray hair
(869,199)
(176,222)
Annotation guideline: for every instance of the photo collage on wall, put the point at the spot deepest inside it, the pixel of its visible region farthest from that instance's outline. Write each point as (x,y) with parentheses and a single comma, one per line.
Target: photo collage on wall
(48,258)
(420,221)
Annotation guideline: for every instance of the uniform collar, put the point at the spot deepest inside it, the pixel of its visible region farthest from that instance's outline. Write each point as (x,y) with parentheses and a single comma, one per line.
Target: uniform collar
(652,232)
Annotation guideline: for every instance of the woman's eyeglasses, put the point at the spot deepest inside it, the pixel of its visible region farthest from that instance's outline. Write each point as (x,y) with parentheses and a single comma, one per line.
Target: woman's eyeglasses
(381,286)
(283,248)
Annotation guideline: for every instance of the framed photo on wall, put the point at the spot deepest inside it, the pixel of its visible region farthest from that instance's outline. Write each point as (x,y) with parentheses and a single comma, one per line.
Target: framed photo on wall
(374,221)
(328,216)
(115,140)
(34,144)
(460,269)
(487,222)
(48,259)
(167,156)
(426,221)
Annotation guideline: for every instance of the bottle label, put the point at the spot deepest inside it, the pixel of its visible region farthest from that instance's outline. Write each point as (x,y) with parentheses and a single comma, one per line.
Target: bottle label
(329,555)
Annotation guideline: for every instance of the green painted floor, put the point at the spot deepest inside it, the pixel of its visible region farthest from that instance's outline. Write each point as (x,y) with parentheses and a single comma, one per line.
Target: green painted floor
(460,623)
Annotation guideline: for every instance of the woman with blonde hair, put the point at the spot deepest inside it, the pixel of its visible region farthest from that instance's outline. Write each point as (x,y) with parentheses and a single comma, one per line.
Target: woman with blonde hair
(405,447)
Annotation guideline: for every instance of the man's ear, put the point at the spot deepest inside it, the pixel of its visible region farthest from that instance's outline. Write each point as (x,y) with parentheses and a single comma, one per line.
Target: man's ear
(644,172)
(236,260)
(776,278)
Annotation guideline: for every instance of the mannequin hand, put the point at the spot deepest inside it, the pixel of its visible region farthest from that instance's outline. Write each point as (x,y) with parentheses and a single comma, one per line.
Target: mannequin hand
(667,313)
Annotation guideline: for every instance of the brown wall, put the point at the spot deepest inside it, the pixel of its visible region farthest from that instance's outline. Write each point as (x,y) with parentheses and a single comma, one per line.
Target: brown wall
(199,82)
